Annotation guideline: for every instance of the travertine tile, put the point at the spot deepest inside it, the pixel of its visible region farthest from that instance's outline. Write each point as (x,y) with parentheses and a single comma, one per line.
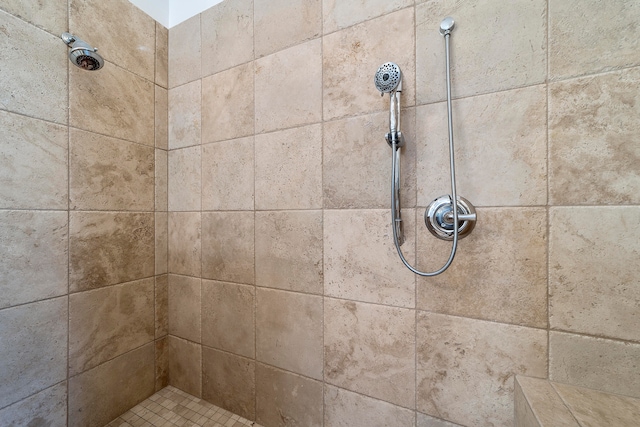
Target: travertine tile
(105,323)
(123,33)
(50,16)
(162,363)
(228,317)
(538,404)
(289,250)
(507,253)
(185,179)
(423,420)
(603,36)
(185,365)
(228,246)
(162,56)
(33,348)
(523,412)
(303,22)
(33,163)
(495,46)
(161,306)
(227,104)
(360,260)
(106,248)
(465,367)
(185,44)
(610,366)
(501,157)
(593,408)
(594,279)
(357,162)
(370,349)
(291,336)
(282,396)
(289,169)
(109,174)
(184,243)
(161,117)
(340,14)
(101,394)
(592,138)
(162,242)
(42,91)
(227,175)
(47,408)
(112,102)
(185,115)
(184,307)
(34,256)
(288,87)
(229,381)
(347,409)
(162,178)
(227,35)
(352,56)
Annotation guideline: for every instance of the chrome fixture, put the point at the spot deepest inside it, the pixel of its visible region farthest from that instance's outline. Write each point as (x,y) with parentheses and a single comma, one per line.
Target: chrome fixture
(441,219)
(388,79)
(82,54)
(438,217)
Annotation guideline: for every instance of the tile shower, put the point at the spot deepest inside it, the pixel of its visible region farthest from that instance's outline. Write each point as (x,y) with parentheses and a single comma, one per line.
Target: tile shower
(210,210)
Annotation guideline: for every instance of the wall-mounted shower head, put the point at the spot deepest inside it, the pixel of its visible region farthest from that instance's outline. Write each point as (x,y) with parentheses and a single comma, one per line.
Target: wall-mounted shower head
(388,78)
(82,54)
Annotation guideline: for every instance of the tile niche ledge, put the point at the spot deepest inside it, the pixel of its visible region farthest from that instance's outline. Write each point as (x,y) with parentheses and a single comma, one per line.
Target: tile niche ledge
(543,403)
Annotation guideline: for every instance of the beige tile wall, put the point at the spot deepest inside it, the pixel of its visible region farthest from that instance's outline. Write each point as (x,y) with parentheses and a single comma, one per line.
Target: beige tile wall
(83,213)
(228,152)
(305,301)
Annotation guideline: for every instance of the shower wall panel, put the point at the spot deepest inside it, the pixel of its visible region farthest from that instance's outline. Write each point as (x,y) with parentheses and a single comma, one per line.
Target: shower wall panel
(308,316)
(83,222)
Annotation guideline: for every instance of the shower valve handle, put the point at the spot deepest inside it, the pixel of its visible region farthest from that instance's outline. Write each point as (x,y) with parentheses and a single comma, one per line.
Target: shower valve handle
(448,217)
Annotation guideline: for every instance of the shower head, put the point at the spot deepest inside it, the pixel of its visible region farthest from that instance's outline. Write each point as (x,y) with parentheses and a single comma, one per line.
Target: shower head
(388,78)
(82,54)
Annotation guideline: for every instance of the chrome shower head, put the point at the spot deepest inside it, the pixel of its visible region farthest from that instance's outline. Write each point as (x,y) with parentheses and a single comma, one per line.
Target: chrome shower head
(82,54)
(388,78)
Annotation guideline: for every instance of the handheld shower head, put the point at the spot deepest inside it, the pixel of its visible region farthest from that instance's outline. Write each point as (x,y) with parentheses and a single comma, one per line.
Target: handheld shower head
(388,78)
(82,54)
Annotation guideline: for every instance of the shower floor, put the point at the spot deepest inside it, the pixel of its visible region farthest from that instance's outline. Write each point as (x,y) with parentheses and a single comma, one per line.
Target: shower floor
(172,407)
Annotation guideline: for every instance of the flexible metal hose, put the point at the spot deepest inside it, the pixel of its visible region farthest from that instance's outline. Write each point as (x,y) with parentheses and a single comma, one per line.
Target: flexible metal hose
(395,165)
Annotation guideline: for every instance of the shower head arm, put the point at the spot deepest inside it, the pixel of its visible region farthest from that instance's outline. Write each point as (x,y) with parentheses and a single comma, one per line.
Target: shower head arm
(68,38)
(75,43)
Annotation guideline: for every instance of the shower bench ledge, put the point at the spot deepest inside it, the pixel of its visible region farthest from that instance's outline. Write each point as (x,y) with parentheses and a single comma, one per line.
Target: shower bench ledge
(543,403)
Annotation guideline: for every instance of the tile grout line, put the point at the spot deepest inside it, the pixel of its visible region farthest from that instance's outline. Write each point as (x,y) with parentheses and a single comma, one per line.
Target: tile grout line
(416,282)
(322,204)
(155,207)
(68,202)
(548,208)
(201,261)
(255,161)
